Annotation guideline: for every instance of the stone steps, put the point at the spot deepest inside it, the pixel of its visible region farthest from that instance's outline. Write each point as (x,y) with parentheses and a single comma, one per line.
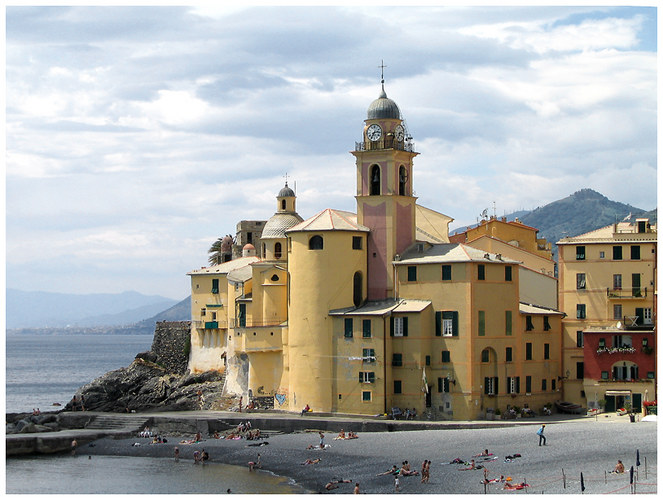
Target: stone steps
(112,422)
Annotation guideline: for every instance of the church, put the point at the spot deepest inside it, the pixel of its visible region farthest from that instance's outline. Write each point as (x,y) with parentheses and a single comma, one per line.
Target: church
(359,313)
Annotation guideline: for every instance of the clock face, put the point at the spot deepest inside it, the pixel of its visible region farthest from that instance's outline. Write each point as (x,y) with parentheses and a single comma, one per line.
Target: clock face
(374,132)
(400,133)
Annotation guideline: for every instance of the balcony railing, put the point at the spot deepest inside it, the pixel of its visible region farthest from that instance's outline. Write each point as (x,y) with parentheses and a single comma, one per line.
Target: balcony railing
(388,142)
(247,323)
(626,293)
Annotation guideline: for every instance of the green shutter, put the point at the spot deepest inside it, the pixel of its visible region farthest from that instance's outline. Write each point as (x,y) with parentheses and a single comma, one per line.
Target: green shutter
(371,377)
(405,327)
(366,328)
(361,377)
(348,327)
(438,323)
(508,325)
(485,385)
(391,326)
(439,384)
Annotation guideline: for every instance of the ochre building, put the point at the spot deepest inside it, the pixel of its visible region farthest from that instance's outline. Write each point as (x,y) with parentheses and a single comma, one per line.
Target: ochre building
(359,313)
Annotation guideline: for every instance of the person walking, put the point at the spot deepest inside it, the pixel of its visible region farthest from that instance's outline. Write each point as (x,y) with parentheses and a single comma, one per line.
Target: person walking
(542,438)
(397,483)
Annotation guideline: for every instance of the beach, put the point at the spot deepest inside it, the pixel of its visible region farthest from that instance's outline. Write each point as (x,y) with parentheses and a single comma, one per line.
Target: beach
(590,446)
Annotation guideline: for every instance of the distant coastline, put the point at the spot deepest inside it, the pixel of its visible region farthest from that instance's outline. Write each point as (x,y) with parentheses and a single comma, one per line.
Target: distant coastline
(137,329)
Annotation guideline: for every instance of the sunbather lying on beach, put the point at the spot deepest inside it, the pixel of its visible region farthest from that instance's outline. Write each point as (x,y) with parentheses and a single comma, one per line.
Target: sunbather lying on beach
(393,470)
(333,484)
(308,461)
(520,486)
(491,481)
(484,453)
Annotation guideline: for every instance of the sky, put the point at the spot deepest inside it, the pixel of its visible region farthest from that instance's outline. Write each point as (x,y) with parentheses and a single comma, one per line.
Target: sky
(135,137)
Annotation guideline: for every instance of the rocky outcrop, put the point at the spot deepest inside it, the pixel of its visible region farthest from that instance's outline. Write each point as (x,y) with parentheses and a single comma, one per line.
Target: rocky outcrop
(145,385)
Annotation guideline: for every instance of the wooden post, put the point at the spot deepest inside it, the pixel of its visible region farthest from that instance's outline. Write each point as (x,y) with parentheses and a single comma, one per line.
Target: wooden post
(564,478)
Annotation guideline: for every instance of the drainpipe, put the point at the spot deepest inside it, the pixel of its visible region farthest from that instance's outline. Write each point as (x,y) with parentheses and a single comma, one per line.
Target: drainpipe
(384,350)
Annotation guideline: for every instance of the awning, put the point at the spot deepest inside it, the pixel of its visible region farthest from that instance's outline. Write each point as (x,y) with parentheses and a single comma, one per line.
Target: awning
(617,393)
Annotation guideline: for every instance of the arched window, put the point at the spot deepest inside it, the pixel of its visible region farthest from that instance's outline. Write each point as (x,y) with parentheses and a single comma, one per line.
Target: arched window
(315,243)
(282,204)
(277,250)
(402,180)
(375,180)
(357,292)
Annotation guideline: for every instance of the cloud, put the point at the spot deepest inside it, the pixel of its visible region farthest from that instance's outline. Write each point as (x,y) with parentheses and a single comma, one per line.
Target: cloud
(137,136)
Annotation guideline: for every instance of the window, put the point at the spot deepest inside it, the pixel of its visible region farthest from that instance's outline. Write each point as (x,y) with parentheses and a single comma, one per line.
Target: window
(553,384)
(617,253)
(579,338)
(277,250)
(625,371)
(367,377)
(646,316)
(508,273)
(482,323)
(482,272)
(635,252)
(427,360)
(402,180)
(242,315)
(605,375)
(249,237)
(635,284)
(446,323)
(580,253)
(283,205)
(528,351)
(546,324)
(546,351)
(446,356)
(203,311)
(443,384)
(581,311)
(398,387)
(490,386)
(580,370)
(509,354)
(513,385)
(397,359)
(366,396)
(622,341)
(485,356)
(274,277)
(544,385)
(356,242)
(617,281)
(368,355)
(651,375)
(446,272)
(366,328)
(581,282)
(357,289)
(529,324)
(348,328)
(601,342)
(315,243)
(507,322)
(412,273)
(398,326)
(215,285)
(601,255)
(616,311)
(528,384)
(375,180)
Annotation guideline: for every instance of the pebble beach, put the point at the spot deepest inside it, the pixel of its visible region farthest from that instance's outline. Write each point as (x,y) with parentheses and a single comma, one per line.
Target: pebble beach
(590,446)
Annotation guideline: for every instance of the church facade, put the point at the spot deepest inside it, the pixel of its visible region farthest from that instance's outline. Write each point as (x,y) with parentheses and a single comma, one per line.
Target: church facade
(362,312)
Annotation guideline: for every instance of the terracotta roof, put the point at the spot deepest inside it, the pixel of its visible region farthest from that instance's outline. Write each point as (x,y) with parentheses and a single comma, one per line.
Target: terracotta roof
(330,220)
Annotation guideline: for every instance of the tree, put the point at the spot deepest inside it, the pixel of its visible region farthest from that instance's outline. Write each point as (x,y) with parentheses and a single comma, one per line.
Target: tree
(221,250)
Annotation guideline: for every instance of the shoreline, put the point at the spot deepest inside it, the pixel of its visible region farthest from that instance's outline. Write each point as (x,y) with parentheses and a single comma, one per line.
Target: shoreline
(361,459)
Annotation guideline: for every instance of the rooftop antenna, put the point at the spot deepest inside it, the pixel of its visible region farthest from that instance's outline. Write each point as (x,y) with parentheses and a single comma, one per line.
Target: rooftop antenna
(494,210)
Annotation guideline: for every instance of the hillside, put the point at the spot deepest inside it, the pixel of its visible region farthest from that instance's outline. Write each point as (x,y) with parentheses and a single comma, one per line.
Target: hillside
(583,211)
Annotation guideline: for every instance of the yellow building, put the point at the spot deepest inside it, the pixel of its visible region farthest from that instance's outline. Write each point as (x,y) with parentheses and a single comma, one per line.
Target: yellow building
(361,313)
(608,289)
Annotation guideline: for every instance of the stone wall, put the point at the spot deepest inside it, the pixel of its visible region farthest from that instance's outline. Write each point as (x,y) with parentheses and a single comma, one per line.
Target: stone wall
(171,344)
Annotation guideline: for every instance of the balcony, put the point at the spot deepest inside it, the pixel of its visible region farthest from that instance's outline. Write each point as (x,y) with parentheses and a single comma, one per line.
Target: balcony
(626,293)
(201,324)
(249,323)
(388,142)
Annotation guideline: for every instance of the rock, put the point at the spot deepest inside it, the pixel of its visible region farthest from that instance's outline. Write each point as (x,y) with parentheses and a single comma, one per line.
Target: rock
(147,356)
(10,429)
(29,427)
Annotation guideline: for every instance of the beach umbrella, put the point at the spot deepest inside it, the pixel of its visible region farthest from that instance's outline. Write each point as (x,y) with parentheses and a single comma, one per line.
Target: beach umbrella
(582,483)
(637,458)
(631,474)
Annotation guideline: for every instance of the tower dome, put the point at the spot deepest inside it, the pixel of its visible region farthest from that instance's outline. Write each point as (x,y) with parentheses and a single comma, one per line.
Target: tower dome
(383,107)
(286,191)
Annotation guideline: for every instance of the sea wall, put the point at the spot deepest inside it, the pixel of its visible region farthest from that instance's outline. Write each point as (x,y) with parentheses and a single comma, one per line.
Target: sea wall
(171,344)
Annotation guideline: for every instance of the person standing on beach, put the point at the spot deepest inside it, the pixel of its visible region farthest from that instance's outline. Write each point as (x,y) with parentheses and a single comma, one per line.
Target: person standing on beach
(542,438)
(177,454)
(74,445)
(356,492)
(322,440)
(397,483)
(423,471)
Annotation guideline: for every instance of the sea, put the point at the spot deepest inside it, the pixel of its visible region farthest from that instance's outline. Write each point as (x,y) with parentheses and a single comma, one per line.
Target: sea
(42,370)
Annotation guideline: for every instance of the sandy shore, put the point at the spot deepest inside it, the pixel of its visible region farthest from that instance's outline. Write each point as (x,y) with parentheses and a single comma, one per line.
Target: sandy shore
(588,446)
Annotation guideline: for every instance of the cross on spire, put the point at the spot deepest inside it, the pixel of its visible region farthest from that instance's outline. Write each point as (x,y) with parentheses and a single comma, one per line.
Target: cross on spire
(286,178)
(382,67)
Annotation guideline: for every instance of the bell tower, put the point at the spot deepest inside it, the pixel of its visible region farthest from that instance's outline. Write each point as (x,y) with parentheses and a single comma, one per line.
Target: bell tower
(385,202)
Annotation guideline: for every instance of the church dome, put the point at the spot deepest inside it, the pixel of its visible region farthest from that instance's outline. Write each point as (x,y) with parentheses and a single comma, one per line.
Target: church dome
(286,192)
(383,107)
(278,224)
